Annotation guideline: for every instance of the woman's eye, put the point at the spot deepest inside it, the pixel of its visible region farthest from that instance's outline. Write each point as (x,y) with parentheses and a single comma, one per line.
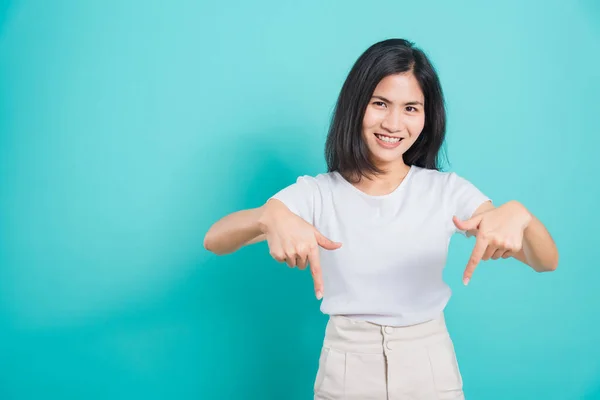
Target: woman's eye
(411,109)
(379,103)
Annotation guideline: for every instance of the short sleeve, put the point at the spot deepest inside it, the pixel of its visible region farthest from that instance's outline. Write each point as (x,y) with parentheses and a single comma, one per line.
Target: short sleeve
(299,197)
(464,197)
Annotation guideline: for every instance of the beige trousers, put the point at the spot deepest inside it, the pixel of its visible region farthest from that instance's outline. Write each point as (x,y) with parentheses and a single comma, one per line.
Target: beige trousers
(362,360)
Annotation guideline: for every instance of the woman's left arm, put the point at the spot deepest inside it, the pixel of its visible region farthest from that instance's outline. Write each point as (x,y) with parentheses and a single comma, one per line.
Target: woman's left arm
(509,230)
(539,250)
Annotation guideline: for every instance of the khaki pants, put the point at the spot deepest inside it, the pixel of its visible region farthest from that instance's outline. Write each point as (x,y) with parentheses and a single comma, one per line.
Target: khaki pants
(362,360)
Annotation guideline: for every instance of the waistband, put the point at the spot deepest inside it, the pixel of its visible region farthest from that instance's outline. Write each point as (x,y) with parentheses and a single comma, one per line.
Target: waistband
(351,335)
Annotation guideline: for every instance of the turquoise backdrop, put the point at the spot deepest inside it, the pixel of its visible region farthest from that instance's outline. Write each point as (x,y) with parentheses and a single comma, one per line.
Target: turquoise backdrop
(128,127)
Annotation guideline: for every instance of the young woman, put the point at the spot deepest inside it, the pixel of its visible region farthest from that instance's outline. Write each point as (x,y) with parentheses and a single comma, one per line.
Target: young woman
(375,231)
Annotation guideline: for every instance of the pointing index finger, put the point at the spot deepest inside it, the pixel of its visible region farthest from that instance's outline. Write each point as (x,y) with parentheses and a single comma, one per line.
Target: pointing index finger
(315,270)
(476,255)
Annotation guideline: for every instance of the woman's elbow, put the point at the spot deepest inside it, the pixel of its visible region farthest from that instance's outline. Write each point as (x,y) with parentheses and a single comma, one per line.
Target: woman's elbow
(214,245)
(210,243)
(554,263)
(550,264)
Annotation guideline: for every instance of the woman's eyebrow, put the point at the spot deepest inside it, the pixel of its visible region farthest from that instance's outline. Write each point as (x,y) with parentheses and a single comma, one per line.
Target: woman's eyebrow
(410,103)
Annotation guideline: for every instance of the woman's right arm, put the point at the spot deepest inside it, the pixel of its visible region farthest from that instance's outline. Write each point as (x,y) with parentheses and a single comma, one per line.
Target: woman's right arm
(290,238)
(235,230)
(245,227)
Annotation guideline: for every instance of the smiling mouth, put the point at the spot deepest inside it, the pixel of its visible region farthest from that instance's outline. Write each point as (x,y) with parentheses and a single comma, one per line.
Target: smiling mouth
(388,139)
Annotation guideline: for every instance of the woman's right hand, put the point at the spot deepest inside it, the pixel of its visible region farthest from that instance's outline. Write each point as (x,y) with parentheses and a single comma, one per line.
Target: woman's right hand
(294,241)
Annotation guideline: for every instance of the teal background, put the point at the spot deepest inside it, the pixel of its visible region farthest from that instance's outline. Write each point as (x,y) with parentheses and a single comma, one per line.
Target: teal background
(128,127)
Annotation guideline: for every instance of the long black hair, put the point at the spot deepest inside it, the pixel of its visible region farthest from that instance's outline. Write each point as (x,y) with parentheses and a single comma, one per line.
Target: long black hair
(345,149)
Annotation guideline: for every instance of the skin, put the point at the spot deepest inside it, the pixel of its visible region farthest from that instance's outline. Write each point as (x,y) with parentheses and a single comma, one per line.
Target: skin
(510,230)
(395,110)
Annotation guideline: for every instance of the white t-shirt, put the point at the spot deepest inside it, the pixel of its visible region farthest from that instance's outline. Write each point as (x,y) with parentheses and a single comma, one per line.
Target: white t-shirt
(394,247)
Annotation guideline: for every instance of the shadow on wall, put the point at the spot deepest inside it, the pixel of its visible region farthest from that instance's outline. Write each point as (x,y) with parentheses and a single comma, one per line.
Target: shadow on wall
(593,394)
(261,322)
(591,11)
(240,326)
(6,9)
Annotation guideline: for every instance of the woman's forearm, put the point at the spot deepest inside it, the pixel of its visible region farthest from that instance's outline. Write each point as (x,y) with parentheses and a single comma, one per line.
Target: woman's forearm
(539,250)
(233,231)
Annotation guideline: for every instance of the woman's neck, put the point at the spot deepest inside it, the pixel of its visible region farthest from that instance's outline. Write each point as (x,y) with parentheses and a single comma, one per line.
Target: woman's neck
(385,183)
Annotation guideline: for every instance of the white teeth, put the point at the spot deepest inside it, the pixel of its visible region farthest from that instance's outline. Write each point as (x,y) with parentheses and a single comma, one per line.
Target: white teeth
(388,139)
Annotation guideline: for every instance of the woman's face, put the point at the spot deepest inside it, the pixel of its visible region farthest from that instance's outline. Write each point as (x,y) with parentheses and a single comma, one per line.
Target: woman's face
(393,119)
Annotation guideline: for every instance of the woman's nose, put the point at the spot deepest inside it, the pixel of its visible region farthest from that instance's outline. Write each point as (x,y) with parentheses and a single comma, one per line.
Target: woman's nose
(393,122)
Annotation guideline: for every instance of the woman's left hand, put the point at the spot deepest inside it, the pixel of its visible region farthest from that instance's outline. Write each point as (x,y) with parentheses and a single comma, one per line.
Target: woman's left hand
(499,233)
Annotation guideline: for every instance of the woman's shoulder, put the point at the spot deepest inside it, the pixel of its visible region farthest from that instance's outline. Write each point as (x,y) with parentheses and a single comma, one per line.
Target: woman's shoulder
(447,181)
(433,175)
(334,178)
(319,181)
(319,178)
(420,175)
